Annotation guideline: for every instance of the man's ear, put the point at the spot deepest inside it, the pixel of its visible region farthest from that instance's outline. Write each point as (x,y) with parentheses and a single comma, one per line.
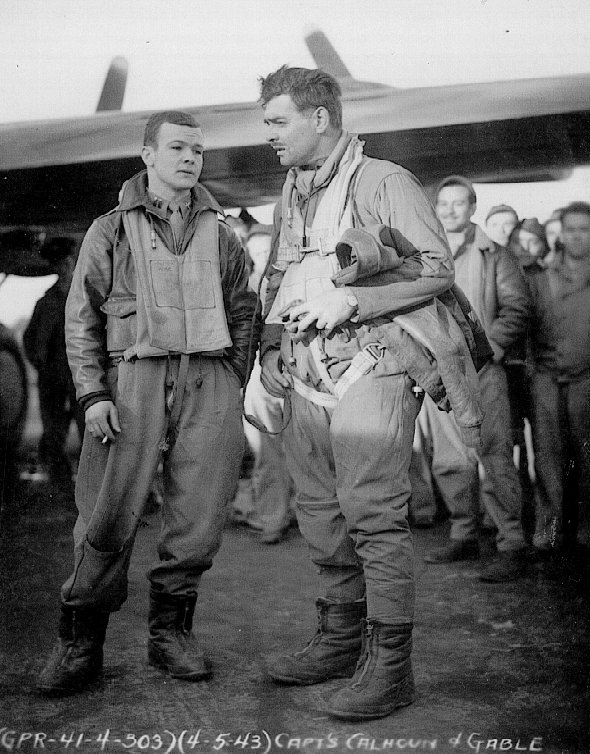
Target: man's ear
(473,209)
(322,120)
(147,155)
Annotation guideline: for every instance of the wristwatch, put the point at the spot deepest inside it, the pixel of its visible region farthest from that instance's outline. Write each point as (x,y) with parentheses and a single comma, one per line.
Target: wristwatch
(352,301)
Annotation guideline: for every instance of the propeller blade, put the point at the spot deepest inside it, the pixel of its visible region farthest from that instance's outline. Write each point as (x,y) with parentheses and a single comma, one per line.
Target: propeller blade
(113,90)
(325,56)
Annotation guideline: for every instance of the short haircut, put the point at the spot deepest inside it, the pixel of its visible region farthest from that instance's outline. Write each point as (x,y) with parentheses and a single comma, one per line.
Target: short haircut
(458,180)
(575,208)
(155,121)
(309,88)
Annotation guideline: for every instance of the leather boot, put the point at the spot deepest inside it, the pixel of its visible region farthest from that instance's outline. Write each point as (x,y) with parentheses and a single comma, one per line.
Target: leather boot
(383,679)
(76,659)
(333,651)
(172,646)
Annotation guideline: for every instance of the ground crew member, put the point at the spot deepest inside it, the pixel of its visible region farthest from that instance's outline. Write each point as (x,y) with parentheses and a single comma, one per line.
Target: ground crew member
(349,457)
(491,279)
(45,347)
(560,384)
(158,324)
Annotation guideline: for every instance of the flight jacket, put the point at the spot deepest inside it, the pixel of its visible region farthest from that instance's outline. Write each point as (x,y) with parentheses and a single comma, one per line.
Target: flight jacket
(106,272)
(506,300)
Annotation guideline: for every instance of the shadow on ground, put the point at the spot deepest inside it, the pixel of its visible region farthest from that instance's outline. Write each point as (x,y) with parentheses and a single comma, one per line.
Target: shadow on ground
(498,667)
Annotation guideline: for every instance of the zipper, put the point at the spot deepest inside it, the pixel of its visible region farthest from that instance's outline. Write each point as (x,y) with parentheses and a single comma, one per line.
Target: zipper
(368,657)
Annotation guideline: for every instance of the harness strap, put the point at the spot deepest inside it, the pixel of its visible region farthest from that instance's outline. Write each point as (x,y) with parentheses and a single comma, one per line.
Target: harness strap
(363,363)
(320,399)
(295,253)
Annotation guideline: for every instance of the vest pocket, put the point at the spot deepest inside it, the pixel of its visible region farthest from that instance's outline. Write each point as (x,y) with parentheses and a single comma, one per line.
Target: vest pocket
(121,322)
(182,284)
(197,284)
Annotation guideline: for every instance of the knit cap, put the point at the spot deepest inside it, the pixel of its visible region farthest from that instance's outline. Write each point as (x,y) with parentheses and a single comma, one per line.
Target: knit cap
(532,225)
(501,208)
(457,180)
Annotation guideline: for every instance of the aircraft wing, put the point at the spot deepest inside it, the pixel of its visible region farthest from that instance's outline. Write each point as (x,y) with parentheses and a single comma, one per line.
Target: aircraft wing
(66,172)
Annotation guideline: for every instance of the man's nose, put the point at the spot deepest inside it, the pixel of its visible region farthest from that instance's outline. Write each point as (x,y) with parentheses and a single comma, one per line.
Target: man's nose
(189,155)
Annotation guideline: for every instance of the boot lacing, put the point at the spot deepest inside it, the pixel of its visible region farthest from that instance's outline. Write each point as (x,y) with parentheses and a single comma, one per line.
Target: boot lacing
(315,639)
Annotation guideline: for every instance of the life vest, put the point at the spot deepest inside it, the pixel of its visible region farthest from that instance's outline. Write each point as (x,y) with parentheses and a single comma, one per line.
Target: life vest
(179,296)
(309,268)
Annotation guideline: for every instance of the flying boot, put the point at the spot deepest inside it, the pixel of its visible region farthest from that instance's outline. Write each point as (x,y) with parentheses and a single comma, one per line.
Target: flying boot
(383,680)
(172,646)
(331,653)
(77,657)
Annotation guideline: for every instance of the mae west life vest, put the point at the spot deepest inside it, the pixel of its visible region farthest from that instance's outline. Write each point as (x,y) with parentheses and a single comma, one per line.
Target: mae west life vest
(179,296)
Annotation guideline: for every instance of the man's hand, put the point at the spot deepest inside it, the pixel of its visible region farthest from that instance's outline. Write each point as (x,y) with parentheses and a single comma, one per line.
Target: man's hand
(102,420)
(274,380)
(325,312)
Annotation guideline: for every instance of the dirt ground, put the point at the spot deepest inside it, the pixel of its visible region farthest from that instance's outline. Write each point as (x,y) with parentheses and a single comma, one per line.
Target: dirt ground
(498,667)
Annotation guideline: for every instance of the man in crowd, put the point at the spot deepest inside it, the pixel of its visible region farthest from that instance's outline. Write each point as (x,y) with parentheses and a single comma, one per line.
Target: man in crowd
(348,456)
(528,243)
(45,347)
(500,222)
(492,282)
(560,345)
(553,235)
(158,324)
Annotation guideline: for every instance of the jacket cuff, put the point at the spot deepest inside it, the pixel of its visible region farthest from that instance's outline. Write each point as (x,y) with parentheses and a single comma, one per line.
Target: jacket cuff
(89,400)
(238,366)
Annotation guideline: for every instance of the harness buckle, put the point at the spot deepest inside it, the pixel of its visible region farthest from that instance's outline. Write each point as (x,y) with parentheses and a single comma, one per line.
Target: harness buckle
(298,253)
(374,352)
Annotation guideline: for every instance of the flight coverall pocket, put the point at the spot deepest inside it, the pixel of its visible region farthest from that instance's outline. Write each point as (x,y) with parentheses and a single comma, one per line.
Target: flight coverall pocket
(182,284)
(121,322)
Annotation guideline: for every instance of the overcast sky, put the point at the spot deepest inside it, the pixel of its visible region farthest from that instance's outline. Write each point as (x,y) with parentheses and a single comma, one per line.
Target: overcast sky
(54,55)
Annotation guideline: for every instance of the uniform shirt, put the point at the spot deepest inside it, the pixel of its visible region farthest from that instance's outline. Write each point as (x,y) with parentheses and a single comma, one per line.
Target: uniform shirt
(177,213)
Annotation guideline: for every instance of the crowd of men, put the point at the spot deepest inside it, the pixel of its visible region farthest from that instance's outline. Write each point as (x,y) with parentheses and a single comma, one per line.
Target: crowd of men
(532,299)
(384,317)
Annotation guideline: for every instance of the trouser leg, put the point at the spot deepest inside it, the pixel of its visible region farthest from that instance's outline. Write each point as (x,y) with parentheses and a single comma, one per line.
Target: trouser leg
(454,467)
(311,464)
(575,421)
(56,416)
(519,397)
(272,484)
(371,432)
(200,473)
(112,485)
(422,501)
(504,499)
(578,407)
(549,459)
